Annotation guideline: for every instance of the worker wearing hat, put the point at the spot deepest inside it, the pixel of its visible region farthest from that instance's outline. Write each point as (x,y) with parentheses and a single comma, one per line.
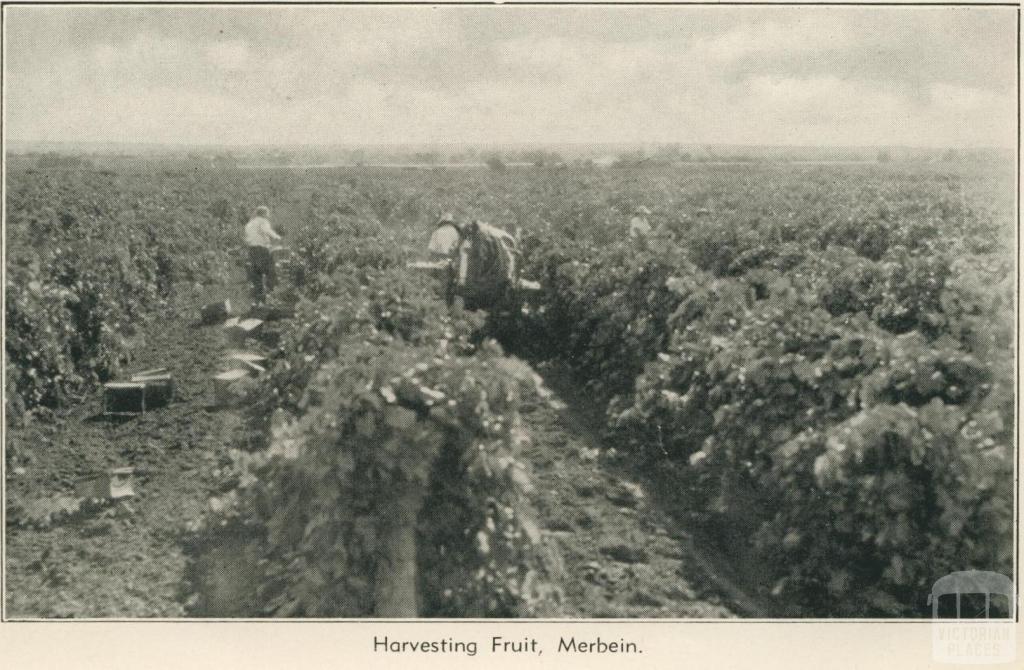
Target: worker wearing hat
(260,239)
(445,238)
(639,228)
(444,247)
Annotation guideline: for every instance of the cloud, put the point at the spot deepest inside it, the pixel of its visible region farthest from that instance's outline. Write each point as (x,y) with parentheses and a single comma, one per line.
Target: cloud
(381,74)
(965,99)
(799,37)
(229,55)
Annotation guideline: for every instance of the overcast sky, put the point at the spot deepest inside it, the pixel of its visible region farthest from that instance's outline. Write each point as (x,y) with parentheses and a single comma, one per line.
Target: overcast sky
(935,76)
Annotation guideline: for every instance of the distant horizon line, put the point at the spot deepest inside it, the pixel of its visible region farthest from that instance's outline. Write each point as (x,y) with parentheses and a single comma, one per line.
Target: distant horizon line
(469,144)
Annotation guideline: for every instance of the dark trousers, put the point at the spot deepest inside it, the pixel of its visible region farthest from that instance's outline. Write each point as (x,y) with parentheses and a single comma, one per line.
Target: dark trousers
(449,280)
(260,269)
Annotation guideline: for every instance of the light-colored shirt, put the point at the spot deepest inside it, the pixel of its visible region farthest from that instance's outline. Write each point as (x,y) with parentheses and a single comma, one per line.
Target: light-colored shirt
(464,261)
(444,240)
(638,227)
(258,233)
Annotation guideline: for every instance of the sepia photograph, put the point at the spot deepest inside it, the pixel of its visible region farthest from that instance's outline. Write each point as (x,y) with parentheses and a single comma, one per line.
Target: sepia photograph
(501,312)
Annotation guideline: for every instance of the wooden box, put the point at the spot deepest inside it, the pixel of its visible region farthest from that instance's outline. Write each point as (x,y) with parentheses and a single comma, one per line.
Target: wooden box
(110,485)
(144,392)
(238,331)
(159,386)
(225,386)
(215,313)
(244,360)
(275,312)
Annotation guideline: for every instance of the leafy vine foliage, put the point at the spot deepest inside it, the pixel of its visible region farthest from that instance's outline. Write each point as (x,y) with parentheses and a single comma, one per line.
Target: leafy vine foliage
(93,255)
(830,376)
(821,358)
(378,426)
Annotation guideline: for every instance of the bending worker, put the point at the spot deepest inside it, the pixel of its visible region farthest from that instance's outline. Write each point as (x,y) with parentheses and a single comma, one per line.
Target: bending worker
(444,246)
(488,268)
(445,238)
(480,263)
(260,238)
(639,228)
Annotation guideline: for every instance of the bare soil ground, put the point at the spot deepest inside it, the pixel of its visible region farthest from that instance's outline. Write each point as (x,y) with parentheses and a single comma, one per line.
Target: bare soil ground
(121,560)
(622,554)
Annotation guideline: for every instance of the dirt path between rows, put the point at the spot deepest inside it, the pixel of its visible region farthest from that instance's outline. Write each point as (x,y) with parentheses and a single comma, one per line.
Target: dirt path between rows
(122,560)
(623,554)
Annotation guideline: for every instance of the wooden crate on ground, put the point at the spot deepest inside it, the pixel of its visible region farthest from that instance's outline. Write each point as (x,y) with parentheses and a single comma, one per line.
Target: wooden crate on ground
(159,386)
(238,330)
(227,386)
(143,392)
(215,313)
(274,312)
(247,357)
(243,360)
(109,485)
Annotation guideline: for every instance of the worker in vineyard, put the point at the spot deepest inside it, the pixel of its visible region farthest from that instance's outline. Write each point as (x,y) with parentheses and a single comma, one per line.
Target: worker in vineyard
(487,267)
(639,228)
(445,238)
(444,250)
(259,240)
